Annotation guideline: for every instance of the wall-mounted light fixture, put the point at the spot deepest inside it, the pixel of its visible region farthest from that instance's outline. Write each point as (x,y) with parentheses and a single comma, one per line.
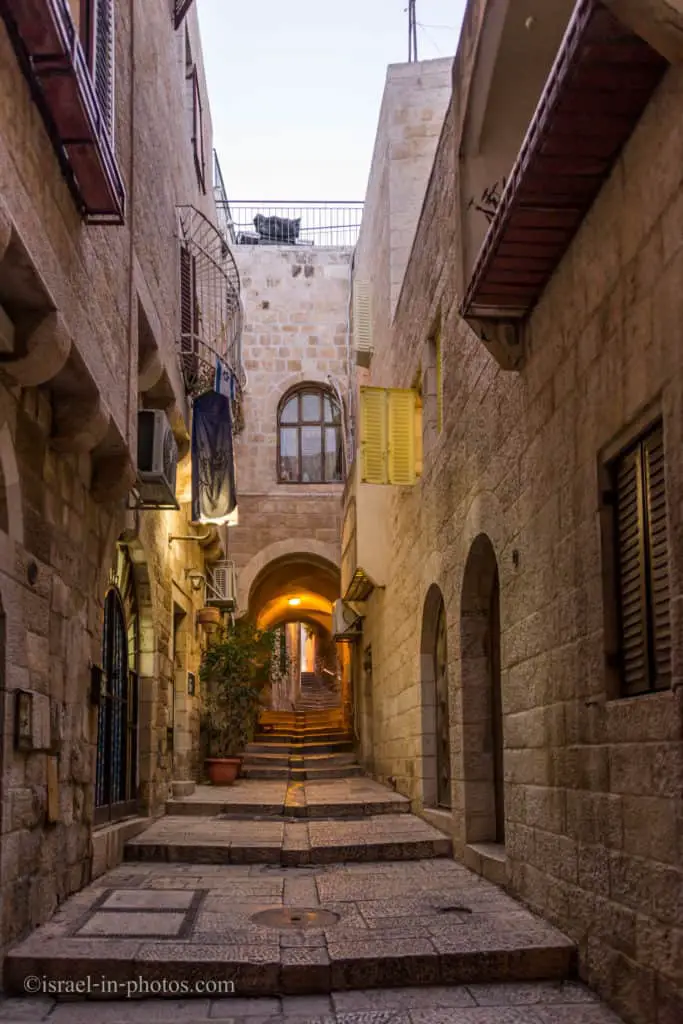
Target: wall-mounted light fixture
(294,601)
(196,578)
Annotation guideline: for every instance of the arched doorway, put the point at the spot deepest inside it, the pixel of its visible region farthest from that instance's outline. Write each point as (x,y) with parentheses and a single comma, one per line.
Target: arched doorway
(482,711)
(116,776)
(436,728)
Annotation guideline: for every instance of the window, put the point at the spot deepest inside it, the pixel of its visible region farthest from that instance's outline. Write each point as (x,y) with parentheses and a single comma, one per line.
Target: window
(94,21)
(195,114)
(310,438)
(391,420)
(637,497)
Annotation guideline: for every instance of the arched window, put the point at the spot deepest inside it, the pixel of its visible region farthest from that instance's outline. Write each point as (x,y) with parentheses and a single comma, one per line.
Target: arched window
(310,437)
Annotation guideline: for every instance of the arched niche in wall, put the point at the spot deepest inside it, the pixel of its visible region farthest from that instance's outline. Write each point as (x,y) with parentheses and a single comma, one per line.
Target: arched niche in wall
(436,716)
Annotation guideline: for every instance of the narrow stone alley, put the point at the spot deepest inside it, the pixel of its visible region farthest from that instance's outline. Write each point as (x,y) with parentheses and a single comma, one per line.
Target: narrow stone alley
(319,901)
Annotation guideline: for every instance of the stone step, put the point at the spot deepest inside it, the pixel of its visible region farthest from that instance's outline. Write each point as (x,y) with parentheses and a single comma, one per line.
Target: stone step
(244,841)
(302,749)
(252,756)
(282,931)
(300,774)
(303,735)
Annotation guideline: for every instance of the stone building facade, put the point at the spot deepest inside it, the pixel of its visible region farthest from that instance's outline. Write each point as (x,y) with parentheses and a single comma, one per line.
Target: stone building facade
(89,318)
(296,336)
(508,687)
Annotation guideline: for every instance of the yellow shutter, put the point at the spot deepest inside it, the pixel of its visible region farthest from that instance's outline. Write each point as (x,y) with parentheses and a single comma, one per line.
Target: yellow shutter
(373,404)
(402,436)
(439,381)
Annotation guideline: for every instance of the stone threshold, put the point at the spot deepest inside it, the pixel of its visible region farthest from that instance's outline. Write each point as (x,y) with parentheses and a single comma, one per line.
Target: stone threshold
(204,809)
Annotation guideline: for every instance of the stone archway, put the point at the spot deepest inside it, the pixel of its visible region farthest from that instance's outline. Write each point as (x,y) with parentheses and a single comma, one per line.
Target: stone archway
(436,719)
(482,717)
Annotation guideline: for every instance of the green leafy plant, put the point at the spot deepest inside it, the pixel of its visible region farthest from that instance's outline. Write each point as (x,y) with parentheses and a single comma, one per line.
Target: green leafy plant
(235,666)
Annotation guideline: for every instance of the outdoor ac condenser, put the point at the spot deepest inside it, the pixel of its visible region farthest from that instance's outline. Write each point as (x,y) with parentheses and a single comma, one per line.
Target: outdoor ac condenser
(157,461)
(345,622)
(221,586)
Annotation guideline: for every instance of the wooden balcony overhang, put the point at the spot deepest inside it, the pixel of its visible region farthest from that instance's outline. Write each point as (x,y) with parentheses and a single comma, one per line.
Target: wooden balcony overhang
(599,86)
(52,59)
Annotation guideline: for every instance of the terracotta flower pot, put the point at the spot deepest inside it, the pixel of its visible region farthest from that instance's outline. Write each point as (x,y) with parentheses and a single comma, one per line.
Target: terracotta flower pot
(209,616)
(223,770)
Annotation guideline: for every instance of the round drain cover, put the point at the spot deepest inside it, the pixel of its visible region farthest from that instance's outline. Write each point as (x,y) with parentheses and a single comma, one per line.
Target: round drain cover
(295,917)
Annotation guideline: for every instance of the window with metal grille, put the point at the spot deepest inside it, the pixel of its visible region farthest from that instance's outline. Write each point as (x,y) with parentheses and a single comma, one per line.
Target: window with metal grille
(641,564)
(310,437)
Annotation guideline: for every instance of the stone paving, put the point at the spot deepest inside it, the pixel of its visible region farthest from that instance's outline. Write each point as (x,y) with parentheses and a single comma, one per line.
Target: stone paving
(538,1003)
(418,922)
(389,837)
(345,940)
(339,798)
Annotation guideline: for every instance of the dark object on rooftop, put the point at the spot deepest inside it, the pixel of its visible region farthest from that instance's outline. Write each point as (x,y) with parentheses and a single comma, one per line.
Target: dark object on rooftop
(277,229)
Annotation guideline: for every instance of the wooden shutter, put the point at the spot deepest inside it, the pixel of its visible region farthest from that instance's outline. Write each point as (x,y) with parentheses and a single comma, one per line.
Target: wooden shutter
(181,9)
(373,403)
(631,581)
(198,131)
(402,436)
(658,558)
(439,380)
(103,60)
(362,315)
(643,566)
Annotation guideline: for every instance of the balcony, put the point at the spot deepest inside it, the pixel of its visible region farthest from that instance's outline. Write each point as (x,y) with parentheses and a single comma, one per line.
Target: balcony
(323,225)
(53,61)
(602,80)
(211,308)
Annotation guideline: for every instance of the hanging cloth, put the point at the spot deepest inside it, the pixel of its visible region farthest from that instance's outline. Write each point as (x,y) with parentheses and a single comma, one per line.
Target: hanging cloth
(214,495)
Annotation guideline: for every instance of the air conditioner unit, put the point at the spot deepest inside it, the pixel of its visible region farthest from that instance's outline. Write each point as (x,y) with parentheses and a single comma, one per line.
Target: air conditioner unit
(346,625)
(221,586)
(157,461)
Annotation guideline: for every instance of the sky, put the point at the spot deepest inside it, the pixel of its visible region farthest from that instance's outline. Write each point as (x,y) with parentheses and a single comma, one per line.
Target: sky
(295,88)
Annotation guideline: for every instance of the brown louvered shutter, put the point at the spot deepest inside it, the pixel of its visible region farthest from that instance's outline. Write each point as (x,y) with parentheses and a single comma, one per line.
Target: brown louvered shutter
(189,313)
(181,9)
(658,551)
(103,60)
(643,566)
(631,573)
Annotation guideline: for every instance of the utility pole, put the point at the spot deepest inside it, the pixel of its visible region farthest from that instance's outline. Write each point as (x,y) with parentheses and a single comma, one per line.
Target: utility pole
(412,32)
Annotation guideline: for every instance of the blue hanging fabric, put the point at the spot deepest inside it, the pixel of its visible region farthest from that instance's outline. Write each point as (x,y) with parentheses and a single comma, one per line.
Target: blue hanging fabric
(214,495)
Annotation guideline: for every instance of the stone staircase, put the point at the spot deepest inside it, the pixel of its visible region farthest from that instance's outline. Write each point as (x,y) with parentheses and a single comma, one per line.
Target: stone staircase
(291,889)
(318,693)
(301,746)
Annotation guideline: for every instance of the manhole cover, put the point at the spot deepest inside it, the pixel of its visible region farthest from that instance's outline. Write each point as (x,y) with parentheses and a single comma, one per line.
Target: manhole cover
(295,917)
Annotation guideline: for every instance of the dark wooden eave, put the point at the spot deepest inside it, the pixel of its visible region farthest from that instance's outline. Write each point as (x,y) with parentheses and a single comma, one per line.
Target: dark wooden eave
(600,84)
(54,64)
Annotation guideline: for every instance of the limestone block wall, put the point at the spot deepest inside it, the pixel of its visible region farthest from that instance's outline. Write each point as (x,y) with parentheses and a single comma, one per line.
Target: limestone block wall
(58,545)
(413,107)
(592,784)
(296,312)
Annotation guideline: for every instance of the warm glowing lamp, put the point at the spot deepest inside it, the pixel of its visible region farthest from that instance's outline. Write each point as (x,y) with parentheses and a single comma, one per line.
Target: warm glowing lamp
(295,600)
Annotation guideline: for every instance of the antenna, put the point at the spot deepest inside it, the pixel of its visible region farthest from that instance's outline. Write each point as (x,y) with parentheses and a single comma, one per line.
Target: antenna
(412,32)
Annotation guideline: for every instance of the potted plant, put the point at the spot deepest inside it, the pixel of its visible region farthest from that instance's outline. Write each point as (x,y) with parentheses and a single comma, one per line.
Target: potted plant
(235,666)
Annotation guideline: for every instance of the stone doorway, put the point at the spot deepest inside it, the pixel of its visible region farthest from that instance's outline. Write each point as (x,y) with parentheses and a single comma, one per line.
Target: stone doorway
(436,740)
(116,782)
(482,712)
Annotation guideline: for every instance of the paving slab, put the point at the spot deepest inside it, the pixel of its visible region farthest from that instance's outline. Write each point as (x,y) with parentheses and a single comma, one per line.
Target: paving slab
(245,841)
(539,1003)
(355,797)
(403,923)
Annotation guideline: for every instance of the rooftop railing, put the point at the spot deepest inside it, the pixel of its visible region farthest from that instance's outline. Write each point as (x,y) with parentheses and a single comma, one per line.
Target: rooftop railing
(311,224)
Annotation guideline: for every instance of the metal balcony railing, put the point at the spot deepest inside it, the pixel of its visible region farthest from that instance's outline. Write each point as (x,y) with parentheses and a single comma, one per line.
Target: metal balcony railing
(319,224)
